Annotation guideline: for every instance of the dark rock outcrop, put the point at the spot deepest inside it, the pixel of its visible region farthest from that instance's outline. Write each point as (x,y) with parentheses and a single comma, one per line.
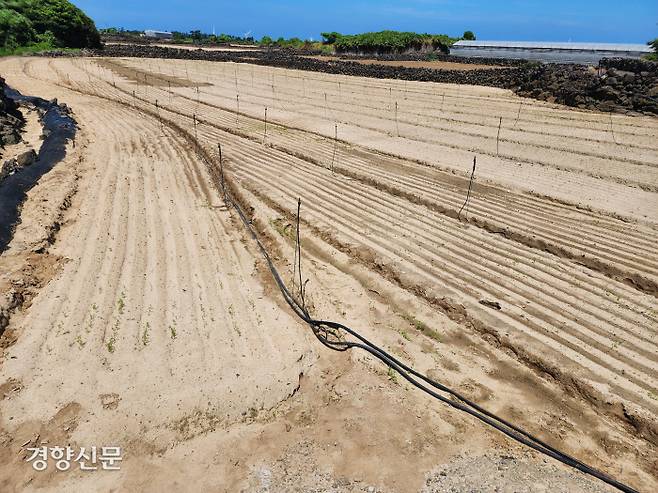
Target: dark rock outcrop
(11,119)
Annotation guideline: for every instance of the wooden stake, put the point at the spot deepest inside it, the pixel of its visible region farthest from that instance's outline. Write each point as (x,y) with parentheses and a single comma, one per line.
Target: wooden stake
(500,123)
(397,127)
(265,131)
(333,157)
(237,114)
(221,170)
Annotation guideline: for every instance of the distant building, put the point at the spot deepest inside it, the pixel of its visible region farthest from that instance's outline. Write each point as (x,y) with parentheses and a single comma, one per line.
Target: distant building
(585,53)
(150,33)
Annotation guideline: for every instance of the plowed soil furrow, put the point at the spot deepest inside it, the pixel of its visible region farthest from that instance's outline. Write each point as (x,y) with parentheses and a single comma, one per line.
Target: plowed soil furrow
(504,169)
(591,163)
(586,333)
(585,349)
(642,266)
(431,95)
(314,98)
(164,332)
(153,277)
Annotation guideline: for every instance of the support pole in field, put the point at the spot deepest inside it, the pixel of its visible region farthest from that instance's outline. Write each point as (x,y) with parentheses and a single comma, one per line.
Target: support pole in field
(397,126)
(612,130)
(325,105)
(157,109)
(134,99)
(518,115)
(500,123)
(221,170)
(443,100)
(237,113)
(169,82)
(196,139)
(297,263)
(265,130)
(333,156)
(468,194)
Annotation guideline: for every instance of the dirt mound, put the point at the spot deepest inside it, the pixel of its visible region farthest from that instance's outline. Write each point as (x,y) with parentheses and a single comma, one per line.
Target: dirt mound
(11,119)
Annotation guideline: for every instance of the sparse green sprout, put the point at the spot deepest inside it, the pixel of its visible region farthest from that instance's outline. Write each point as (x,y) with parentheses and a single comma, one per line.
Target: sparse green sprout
(421,326)
(121,304)
(145,335)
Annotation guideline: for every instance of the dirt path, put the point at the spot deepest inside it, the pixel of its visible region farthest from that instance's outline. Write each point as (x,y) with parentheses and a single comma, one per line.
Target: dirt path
(161,331)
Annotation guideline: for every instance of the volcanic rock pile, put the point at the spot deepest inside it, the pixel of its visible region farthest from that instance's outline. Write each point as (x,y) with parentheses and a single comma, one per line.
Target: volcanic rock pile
(616,85)
(11,119)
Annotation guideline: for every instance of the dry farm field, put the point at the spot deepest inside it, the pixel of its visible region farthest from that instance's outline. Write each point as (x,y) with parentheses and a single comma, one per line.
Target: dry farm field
(150,319)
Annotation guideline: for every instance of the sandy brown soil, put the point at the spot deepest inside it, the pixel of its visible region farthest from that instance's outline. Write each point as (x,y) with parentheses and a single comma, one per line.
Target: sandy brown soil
(157,327)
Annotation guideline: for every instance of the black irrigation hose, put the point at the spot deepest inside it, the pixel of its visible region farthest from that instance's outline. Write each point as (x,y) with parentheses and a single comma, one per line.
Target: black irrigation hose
(461,403)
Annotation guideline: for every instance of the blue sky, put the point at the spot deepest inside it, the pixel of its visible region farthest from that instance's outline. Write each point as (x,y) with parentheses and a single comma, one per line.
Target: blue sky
(630,21)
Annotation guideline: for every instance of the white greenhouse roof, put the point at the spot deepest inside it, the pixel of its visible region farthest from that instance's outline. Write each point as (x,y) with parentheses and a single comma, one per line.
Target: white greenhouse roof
(555,46)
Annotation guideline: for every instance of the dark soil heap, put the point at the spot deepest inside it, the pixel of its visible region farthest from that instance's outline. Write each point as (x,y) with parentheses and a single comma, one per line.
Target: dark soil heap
(11,119)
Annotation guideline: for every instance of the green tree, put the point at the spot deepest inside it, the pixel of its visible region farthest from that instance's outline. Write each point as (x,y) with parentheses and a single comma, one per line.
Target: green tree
(330,38)
(15,29)
(67,23)
(266,41)
(654,45)
(469,35)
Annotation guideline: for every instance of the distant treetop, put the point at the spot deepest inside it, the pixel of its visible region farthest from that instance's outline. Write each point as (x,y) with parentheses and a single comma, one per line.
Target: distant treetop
(387,41)
(469,35)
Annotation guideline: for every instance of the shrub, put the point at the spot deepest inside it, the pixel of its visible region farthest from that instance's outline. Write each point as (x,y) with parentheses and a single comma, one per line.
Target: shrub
(654,45)
(68,25)
(392,42)
(469,35)
(15,29)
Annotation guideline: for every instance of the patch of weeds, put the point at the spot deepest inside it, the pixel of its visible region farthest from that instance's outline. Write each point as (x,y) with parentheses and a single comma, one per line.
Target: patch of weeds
(172,332)
(392,375)
(282,227)
(421,326)
(145,334)
(653,396)
(121,303)
(80,342)
(404,334)
(91,318)
(111,343)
